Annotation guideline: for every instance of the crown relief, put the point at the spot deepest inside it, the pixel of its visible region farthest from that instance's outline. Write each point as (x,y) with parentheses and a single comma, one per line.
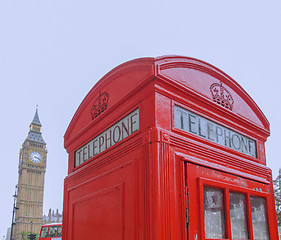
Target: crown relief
(100,104)
(221,95)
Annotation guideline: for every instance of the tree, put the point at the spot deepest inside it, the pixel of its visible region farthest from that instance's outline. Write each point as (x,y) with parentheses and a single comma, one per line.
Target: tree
(23,235)
(277,193)
(26,235)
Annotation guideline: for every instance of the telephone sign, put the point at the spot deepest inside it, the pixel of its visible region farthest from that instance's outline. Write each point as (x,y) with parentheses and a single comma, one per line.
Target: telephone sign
(202,127)
(114,134)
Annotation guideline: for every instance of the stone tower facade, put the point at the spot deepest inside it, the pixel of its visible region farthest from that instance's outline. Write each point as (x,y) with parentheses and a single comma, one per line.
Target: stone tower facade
(32,168)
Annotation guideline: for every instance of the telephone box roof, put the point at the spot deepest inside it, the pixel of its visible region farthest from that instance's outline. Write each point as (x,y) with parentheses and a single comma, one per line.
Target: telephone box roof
(188,74)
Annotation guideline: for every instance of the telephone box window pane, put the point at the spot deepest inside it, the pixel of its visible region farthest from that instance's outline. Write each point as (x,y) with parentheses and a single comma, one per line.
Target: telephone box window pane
(259,218)
(214,213)
(238,216)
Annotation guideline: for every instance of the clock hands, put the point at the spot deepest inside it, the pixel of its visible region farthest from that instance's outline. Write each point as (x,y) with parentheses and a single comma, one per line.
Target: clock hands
(35,157)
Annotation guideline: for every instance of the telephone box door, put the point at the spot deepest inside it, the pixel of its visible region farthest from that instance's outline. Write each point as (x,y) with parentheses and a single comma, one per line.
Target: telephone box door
(225,206)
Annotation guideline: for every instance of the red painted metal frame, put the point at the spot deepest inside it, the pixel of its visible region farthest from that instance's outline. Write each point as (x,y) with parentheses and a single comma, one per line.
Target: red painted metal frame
(226,188)
(156,196)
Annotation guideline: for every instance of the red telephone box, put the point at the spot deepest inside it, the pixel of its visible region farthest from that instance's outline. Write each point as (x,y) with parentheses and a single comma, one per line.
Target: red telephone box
(168,148)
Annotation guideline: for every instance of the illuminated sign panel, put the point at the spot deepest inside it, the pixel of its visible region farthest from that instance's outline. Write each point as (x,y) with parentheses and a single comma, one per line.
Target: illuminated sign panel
(119,131)
(203,127)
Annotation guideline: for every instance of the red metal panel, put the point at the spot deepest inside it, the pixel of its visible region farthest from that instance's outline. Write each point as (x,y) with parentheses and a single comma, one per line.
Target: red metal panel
(98,212)
(97,204)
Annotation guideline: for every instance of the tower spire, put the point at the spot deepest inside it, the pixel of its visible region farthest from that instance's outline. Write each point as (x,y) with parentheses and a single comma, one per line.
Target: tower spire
(35,129)
(36,120)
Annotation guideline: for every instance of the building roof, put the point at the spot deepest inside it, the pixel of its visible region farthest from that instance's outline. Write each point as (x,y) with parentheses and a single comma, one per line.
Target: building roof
(35,137)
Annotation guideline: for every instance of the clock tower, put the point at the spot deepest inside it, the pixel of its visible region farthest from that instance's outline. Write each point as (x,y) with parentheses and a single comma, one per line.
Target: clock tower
(32,168)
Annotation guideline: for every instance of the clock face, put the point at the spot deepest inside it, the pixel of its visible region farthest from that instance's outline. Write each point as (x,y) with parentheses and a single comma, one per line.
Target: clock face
(35,157)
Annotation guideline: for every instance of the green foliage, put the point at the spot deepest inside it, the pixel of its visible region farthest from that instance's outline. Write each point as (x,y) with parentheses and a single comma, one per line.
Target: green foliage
(24,235)
(277,193)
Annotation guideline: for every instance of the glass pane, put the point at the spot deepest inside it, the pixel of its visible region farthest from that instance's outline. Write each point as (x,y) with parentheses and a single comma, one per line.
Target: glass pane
(259,218)
(214,213)
(238,216)
(59,230)
(44,232)
(52,231)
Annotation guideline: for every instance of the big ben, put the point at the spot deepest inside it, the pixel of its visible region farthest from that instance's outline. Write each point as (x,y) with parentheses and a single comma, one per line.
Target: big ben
(31,169)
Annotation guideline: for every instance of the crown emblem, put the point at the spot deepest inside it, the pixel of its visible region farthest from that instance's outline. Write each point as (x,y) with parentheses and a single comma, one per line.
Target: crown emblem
(100,105)
(221,95)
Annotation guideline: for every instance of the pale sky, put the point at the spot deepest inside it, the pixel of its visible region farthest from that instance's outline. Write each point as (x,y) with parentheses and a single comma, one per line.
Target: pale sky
(52,53)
